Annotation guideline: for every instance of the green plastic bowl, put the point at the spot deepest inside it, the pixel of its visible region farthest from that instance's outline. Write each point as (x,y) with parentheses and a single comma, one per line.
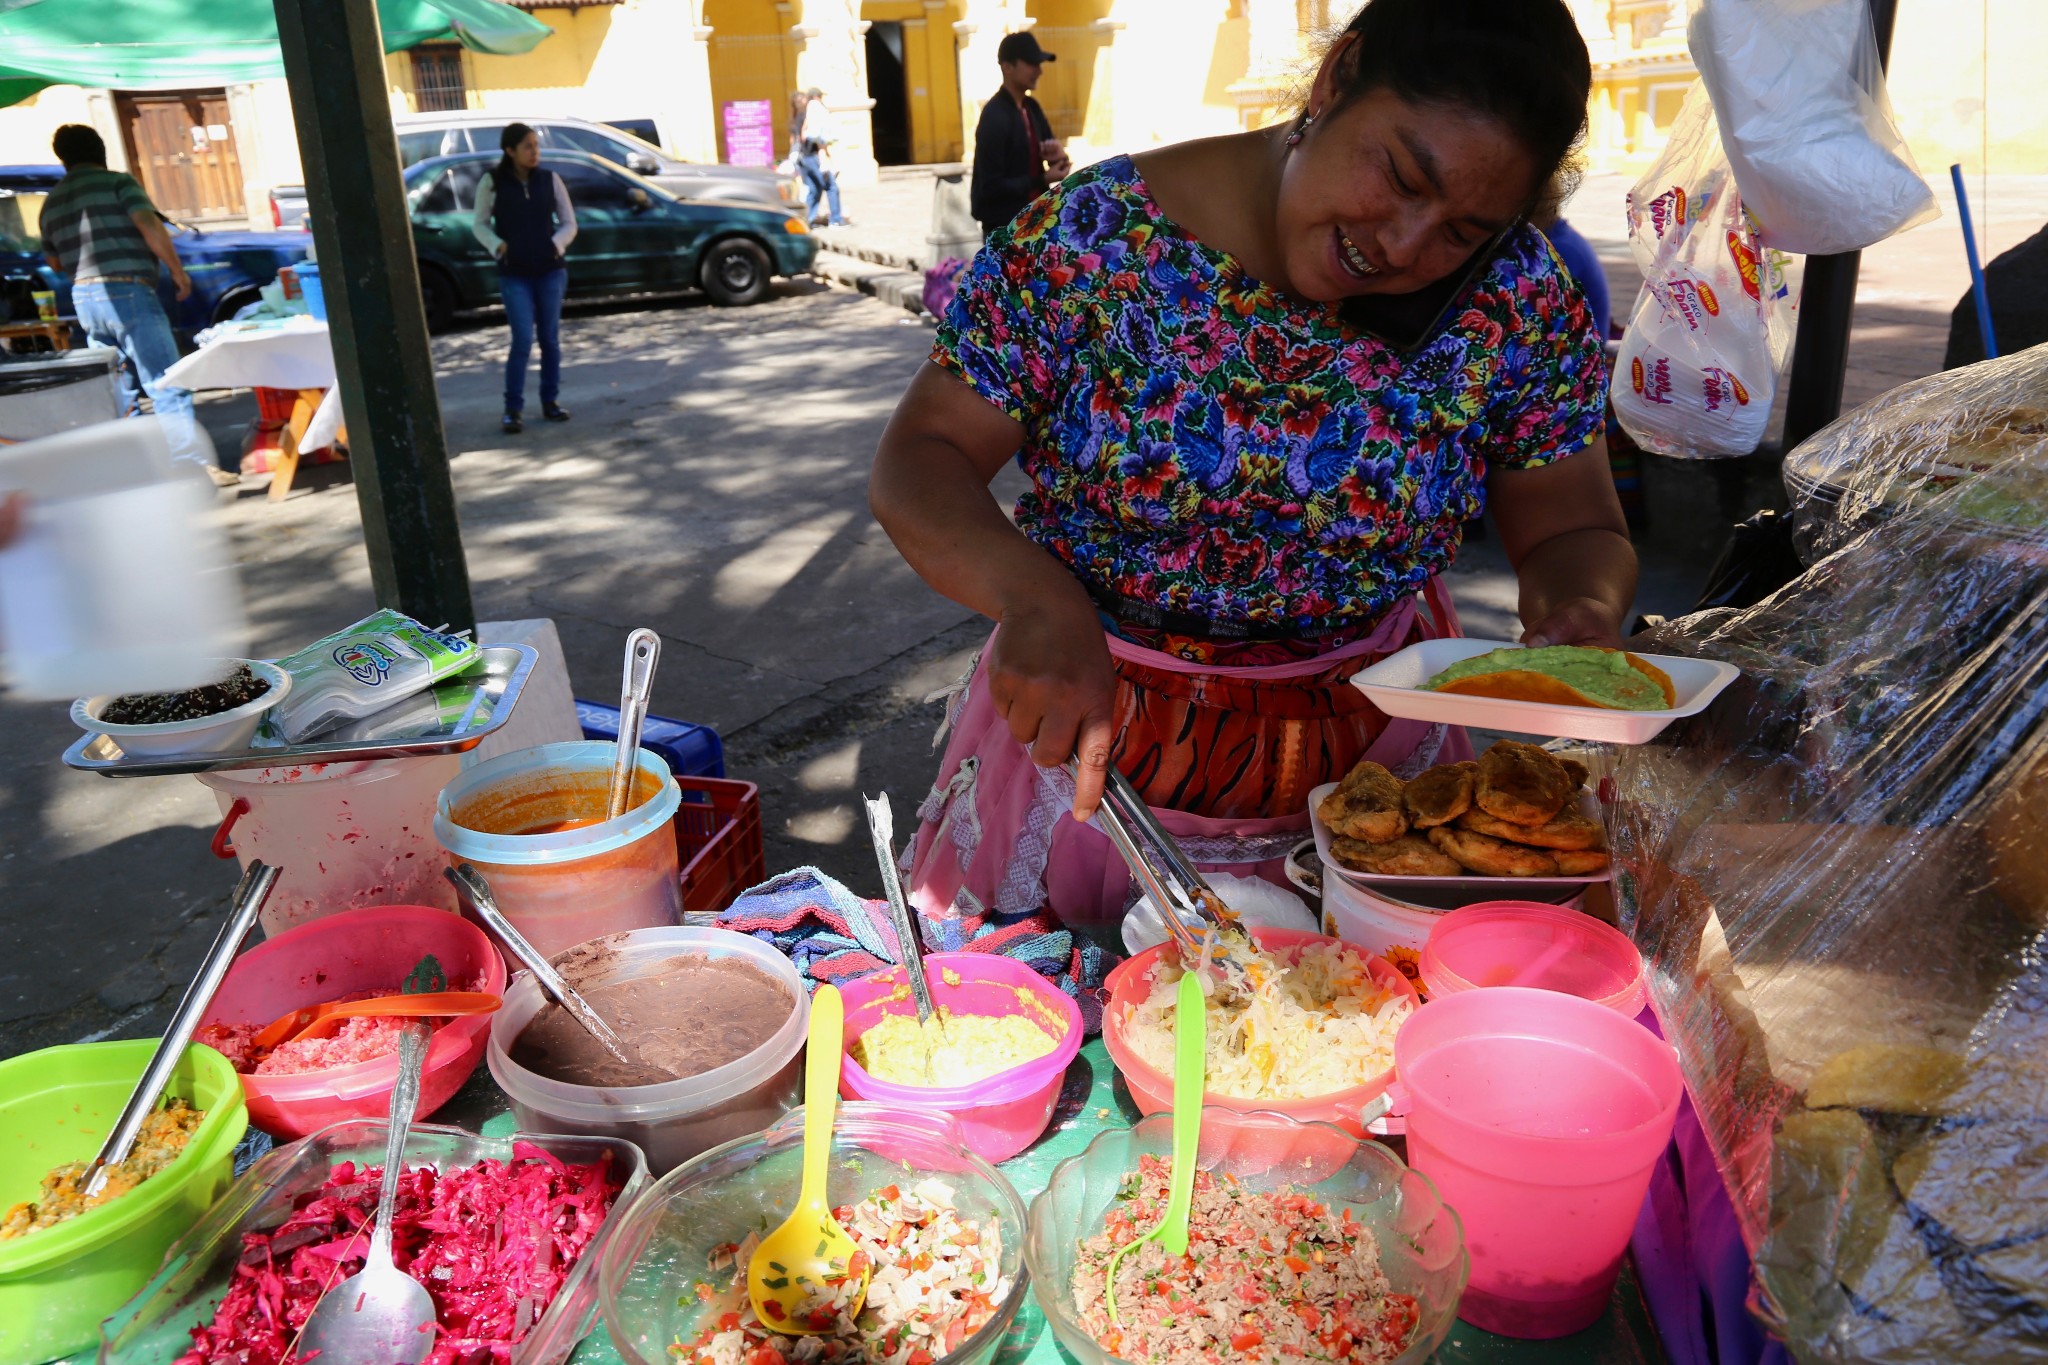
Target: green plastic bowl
(56,1106)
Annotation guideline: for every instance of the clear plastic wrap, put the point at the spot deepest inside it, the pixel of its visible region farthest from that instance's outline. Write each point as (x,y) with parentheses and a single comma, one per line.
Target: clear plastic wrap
(1839,877)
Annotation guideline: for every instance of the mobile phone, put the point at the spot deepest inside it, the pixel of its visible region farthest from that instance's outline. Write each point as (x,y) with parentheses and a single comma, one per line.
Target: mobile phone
(1408,321)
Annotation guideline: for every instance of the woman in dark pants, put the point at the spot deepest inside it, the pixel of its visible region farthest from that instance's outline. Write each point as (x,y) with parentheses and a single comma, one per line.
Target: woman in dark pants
(523,216)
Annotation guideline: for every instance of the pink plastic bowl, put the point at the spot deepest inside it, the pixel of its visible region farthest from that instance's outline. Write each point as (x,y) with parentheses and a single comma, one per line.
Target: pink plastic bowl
(998,1117)
(1130,983)
(1544,947)
(357,950)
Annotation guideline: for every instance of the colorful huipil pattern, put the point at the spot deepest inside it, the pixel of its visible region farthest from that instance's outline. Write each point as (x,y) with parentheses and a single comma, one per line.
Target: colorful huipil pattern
(1201,442)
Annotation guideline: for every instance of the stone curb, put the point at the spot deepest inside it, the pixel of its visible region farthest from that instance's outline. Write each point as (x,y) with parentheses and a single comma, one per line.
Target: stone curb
(885,282)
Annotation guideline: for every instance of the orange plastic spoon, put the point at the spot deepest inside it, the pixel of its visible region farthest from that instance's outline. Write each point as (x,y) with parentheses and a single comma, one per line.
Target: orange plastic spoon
(306,1022)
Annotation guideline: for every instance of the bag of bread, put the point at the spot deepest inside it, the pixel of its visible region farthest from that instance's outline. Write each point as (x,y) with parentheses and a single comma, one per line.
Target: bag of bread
(1698,366)
(1835,875)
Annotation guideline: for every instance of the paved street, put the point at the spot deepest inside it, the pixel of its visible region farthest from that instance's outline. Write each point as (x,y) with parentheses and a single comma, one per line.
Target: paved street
(712,486)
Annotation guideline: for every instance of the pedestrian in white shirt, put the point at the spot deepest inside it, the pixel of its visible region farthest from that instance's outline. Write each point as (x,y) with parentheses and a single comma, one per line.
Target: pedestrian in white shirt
(814,158)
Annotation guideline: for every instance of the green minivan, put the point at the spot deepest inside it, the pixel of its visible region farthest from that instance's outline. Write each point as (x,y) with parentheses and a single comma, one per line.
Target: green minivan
(632,237)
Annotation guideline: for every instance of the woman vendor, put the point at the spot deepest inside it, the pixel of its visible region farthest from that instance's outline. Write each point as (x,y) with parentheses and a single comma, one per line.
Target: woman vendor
(1258,383)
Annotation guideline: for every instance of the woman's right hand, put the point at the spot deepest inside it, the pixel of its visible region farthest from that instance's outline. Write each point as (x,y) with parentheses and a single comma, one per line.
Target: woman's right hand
(1050,678)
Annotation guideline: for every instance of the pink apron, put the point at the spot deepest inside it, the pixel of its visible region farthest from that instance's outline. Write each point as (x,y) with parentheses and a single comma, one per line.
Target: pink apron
(996,834)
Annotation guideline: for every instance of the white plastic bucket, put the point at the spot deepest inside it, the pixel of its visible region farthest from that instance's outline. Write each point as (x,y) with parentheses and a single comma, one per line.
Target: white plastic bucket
(345,835)
(674,1120)
(564,886)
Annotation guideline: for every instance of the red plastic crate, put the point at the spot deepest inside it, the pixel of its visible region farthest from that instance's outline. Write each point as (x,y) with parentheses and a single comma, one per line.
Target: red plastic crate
(718,840)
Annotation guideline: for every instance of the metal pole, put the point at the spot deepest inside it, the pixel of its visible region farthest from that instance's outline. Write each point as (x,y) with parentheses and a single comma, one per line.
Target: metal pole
(1827,305)
(334,64)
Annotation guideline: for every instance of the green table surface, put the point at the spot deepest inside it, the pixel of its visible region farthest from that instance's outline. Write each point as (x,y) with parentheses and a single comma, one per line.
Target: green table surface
(1094,1098)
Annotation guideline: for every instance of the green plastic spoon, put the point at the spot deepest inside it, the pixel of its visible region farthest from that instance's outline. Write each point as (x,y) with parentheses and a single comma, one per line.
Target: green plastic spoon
(1190,1039)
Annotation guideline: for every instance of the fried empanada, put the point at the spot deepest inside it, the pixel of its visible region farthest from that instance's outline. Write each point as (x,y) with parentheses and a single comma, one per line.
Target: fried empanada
(1573,769)
(1440,795)
(1366,805)
(1569,830)
(1411,855)
(1492,857)
(1580,862)
(1521,783)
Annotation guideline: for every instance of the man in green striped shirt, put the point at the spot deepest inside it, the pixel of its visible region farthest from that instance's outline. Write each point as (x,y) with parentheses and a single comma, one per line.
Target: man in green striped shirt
(99,228)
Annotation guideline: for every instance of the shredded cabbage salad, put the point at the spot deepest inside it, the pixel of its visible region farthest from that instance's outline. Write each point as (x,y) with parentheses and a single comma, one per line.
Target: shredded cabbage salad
(1294,1030)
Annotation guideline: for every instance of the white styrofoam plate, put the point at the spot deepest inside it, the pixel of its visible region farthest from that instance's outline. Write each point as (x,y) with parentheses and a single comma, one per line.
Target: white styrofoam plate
(1395,686)
(1477,887)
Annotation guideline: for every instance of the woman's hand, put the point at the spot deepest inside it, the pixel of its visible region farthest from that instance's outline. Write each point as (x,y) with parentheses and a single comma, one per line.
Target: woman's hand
(1048,668)
(1050,678)
(1578,621)
(1563,530)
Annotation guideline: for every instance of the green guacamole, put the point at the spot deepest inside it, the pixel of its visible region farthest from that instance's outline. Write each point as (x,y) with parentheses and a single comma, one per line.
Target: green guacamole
(1604,674)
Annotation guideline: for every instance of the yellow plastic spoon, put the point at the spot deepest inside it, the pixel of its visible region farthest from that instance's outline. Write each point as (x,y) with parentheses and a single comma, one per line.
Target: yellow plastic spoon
(800,1267)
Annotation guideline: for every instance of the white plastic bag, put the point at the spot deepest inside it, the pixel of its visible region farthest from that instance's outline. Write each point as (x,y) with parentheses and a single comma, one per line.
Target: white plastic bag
(1698,366)
(1800,96)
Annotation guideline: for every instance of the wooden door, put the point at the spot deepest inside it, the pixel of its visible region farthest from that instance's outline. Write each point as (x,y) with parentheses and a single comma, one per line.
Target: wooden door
(181,146)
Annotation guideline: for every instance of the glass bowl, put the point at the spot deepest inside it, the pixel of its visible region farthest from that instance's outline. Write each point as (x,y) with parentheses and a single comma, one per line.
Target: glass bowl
(156,1325)
(1422,1243)
(664,1241)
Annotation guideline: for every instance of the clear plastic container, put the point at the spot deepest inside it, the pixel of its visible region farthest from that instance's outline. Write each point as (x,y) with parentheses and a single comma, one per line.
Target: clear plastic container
(1522,943)
(1001,1116)
(1422,1245)
(154,1327)
(675,1120)
(1539,1115)
(1153,1091)
(343,835)
(567,885)
(361,950)
(664,1241)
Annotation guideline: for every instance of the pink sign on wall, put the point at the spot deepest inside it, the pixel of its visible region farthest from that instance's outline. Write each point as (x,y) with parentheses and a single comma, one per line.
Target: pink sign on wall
(749,133)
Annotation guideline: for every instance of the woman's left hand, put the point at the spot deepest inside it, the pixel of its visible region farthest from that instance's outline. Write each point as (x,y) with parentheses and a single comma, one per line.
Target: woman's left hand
(1578,621)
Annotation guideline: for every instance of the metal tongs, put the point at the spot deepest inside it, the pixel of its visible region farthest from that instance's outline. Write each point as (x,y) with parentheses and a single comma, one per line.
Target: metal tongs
(254,889)
(1196,917)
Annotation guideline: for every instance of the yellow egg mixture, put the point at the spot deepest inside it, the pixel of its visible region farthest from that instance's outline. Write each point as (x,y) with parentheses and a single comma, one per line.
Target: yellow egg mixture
(950,1049)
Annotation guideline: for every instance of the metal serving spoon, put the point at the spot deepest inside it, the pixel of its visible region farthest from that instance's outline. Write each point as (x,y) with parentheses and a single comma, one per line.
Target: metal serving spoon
(380,1315)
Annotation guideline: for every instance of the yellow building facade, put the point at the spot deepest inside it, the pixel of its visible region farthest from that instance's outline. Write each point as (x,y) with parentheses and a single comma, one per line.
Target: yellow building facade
(906,79)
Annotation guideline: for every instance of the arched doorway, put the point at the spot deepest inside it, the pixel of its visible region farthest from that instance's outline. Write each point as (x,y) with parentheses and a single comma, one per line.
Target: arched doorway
(914,79)
(889,88)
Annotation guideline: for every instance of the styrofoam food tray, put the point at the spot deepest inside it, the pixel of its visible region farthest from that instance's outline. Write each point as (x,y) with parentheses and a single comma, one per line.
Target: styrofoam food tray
(1395,686)
(1480,888)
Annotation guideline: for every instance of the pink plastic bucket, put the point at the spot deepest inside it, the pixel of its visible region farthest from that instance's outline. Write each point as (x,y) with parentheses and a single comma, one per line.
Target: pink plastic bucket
(1152,1090)
(340,954)
(1544,947)
(1540,1116)
(998,1117)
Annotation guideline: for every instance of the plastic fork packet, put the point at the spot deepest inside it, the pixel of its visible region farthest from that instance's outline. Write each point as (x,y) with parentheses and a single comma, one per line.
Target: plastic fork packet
(379,661)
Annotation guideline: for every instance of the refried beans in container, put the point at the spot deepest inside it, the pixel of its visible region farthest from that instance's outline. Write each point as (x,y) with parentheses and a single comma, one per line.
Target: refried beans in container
(532,822)
(715,1021)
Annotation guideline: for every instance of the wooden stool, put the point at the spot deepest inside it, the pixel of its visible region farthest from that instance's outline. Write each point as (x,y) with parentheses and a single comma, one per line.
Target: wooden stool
(56,331)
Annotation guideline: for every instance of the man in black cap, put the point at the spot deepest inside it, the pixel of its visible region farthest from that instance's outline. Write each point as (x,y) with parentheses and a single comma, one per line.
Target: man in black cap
(1015,156)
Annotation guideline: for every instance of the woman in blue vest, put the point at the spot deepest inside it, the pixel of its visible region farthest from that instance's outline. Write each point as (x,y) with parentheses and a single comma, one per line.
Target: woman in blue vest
(523,217)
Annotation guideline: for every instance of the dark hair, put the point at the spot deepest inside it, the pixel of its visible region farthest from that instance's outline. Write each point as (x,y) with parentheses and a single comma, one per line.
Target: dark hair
(78,145)
(508,142)
(1521,63)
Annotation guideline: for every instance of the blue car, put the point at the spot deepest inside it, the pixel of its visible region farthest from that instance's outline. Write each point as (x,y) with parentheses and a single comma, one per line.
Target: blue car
(227,268)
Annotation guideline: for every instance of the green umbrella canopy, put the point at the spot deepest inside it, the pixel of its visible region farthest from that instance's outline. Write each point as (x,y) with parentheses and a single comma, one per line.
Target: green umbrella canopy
(177,44)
